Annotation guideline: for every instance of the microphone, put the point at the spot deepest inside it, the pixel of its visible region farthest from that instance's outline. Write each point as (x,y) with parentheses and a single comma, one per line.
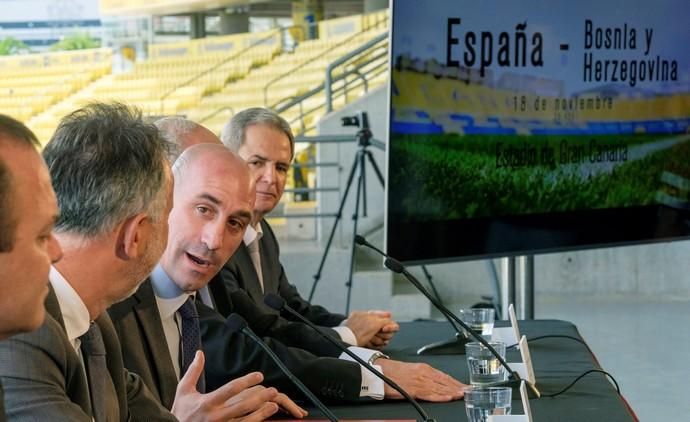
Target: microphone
(455,345)
(395,266)
(278,303)
(236,323)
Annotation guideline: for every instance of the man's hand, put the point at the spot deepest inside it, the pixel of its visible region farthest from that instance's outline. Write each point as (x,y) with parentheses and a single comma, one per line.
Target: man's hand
(421,381)
(373,329)
(241,399)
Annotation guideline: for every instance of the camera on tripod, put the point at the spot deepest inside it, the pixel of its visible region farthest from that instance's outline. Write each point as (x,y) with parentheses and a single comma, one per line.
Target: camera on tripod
(360,120)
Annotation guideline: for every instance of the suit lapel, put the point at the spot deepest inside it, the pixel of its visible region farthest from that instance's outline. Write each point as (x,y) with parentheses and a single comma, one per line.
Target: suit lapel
(252,285)
(149,319)
(79,394)
(268,257)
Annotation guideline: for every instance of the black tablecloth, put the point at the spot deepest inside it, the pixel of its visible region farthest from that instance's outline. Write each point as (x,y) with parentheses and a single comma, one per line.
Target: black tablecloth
(556,361)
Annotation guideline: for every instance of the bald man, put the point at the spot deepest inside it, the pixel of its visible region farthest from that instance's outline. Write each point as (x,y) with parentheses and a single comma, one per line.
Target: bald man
(213,198)
(183,133)
(331,378)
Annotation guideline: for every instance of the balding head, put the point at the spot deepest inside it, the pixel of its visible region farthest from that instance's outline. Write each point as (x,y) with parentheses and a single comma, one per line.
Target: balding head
(213,203)
(184,133)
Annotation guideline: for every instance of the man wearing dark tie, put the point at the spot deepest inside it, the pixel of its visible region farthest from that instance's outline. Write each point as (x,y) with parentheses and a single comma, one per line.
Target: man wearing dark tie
(28,210)
(187,266)
(110,173)
(159,325)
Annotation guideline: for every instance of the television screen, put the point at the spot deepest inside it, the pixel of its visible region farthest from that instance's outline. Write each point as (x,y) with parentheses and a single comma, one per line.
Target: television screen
(527,126)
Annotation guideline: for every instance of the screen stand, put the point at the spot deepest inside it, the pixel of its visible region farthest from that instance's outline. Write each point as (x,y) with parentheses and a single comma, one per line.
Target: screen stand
(453,346)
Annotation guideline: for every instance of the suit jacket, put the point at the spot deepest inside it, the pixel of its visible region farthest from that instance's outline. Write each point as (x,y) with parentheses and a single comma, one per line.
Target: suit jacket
(239,274)
(228,354)
(2,404)
(44,378)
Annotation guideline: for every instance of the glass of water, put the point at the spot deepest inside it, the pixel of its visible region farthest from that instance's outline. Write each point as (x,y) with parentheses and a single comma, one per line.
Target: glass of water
(481,402)
(485,368)
(480,320)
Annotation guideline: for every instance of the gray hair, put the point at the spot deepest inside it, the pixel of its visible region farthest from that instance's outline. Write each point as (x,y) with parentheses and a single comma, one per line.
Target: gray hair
(106,165)
(11,131)
(234,131)
(173,129)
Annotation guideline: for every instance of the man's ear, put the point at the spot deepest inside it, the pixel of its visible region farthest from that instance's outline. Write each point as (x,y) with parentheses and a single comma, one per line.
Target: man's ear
(132,237)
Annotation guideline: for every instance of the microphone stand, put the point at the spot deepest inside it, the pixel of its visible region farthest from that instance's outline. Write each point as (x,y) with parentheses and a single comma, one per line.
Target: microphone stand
(395,266)
(278,303)
(235,322)
(452,346)
(514,379)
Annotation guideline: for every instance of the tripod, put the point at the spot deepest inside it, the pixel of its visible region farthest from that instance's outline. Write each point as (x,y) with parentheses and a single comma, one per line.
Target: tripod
(364,140)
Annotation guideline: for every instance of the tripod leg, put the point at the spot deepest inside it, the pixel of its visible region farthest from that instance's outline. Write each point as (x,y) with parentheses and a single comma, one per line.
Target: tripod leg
(355,218)
(363,176)
(338,216)
(376,167)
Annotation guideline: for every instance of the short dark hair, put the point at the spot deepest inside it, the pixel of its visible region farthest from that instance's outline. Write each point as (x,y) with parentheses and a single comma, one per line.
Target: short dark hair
(16,132)
(106,164)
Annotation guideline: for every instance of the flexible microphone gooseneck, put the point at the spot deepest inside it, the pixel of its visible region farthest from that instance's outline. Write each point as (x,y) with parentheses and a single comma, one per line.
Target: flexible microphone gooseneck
(395,266)
(456,345)
(278,303)
(236,323)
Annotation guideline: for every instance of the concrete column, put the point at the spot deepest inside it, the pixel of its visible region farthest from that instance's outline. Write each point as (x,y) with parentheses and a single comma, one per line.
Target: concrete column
(233,23)
(375,5)
(198,27)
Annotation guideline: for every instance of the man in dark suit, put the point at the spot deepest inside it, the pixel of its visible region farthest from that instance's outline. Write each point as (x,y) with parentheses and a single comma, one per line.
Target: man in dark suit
(183,134)
(213,199)
(265,141)
(28,209)
(332,378)
(113,185)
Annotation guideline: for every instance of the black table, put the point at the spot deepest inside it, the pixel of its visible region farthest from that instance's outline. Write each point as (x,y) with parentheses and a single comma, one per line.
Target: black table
(556,361)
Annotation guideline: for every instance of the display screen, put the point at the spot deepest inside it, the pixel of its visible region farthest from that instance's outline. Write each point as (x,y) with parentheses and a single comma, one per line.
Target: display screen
(527,126)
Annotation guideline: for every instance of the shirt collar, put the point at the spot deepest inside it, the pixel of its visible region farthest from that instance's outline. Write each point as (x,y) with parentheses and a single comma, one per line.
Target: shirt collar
(169,296)
(253,234)
(74,311)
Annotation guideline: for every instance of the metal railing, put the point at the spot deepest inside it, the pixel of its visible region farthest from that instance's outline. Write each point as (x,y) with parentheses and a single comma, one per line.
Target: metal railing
(284,32)
(380,42)
(359,68)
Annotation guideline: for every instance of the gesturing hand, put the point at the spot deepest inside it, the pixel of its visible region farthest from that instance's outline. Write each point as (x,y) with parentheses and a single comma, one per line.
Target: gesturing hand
(241,399)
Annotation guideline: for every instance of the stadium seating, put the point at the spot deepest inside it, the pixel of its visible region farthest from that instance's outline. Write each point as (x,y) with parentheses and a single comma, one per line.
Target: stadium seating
(206,80)
(31,84)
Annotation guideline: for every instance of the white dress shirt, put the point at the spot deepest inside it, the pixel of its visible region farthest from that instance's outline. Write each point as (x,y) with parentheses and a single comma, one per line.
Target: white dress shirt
(372,386)
(251,240)
(169,298)
(74,312)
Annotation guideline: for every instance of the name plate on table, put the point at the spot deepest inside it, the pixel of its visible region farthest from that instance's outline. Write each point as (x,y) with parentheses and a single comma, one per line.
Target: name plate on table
(524,368)
(508,335)
(527,417)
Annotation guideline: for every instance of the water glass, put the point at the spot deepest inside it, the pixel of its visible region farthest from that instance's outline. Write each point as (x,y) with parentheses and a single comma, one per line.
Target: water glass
(480,320)
(482,402)
(485,368)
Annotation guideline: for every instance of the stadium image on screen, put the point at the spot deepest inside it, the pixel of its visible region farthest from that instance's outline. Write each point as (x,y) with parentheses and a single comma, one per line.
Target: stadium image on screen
(517,128)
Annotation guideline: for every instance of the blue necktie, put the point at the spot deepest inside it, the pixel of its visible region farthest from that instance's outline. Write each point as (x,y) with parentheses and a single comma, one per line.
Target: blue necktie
(191,339)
